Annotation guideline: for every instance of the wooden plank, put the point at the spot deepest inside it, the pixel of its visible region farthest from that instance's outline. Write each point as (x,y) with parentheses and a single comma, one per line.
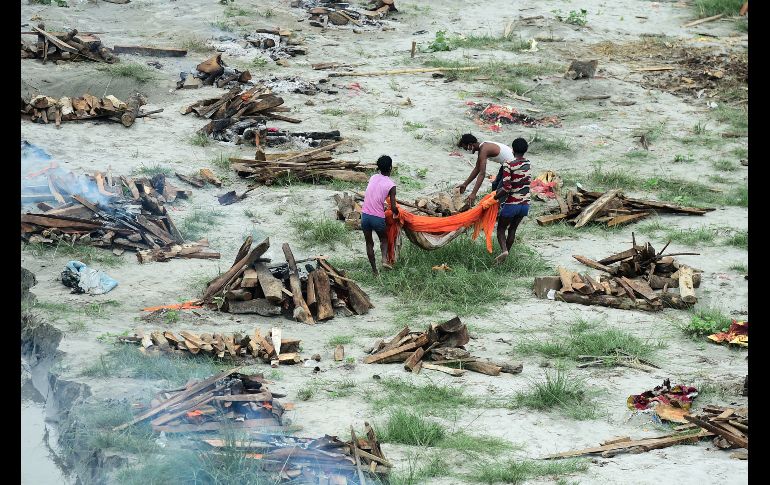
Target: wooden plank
(301,310)
(275,339)
(483,367)
(686,290)
(324,308)
(593,264)
(55,41)
(234,272)
(626,218)
(149,51)
(566,279)
(550,219)
(371,359)
(738,441)
(339,353)
(444,369)
(413,363)
(353,444)
(642,288)
(178,398)
(629,291)
(595,208)
(250,278)
(271,286)
(702,21)
(647,444)
(393,343)
(619,256)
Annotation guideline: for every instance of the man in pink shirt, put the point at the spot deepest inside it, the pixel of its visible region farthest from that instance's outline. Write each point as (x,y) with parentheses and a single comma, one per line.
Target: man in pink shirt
(373,211)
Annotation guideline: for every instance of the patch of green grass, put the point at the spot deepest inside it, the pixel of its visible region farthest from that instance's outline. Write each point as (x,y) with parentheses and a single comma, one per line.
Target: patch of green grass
(699,128)
(679,158)
(361,123)
(561,392)
(90,255)
(306,393)
(545,145)
(574,17)
(339,340)
(138,72)
(725,165)
(741,268)
(690,237)
(200,140)
(738,197)
(430,399)
(198,222)
(472,287)
(706,321)
(222,25)
(720,179)
(152,170)
(410,429)
(581,341)
(473,41)
(221,162)
(518,472)
(739,239)
(342,388)
(709,8)
(468,443)
(194,44)
(502,74)
(316,231)
(419,468)
(737,118)
(741,152)
(638,155)
(392,111)
(333,111)
(233,11)
(267,13)
(413,125)
(125,360)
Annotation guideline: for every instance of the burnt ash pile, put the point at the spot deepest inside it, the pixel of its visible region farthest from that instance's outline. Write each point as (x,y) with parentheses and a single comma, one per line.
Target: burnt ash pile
(213,72)
(297,86)
(325,12)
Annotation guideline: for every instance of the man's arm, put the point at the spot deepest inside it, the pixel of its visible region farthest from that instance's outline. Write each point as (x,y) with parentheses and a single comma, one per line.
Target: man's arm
(392,195)
(481,168)
(473,174)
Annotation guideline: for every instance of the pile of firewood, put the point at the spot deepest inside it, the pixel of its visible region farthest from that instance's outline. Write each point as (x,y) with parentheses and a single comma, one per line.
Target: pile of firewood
(211,72)
(612,208)
(271,349)
(236,116)
(630,284)
(65,46)
(442,344)
(277,43)
(309,165)
(45,109)
(310,294)
(314,139)
(228,400)
(139,223)
(731,425)
(325,12)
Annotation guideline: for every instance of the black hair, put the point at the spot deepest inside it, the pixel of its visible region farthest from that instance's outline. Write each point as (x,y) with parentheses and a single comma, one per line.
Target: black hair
(519,146)
(384,164)
(466,139)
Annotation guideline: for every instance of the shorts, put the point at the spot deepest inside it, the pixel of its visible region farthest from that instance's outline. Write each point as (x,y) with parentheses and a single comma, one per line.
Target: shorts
(513,210)
(372,223)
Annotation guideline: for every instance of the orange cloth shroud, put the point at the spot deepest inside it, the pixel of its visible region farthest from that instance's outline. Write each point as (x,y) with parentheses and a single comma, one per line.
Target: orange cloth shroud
(482,217)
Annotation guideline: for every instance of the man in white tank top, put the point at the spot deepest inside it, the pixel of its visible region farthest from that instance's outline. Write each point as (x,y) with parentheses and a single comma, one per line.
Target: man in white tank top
(487,150)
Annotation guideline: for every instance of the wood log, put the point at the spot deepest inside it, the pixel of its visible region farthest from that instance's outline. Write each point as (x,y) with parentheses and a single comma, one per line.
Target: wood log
(446,370)
(543,284)
(737,440)
(290,358)
(686,289)
(508,368)
(237,269)
(640,287)
(149,51)
(371,359)
(271,286)
(645,444)
(339,353)
(566,279)
(626,218)
(621,303)
(324,308)
(550,219)
(250,277)
(259,306)
(595,265)
(483,367)
(658,282)
(413,363)
(595,208)
(301,311)
(135,102)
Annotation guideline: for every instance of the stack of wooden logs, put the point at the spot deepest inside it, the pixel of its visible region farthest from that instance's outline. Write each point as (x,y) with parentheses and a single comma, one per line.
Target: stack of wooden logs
(277,43)
(325,12)
(443,344)
(213,72)
(326,460)
(309,165)
(251,286)
(236,112)
(140,223)
(65,46)
(731,425)
(611,208)
(45,109)
(630,284)
(270,349)
(228,400)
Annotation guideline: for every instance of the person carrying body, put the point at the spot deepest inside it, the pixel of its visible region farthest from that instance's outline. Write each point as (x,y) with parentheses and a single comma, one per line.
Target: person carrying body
(373,211)
(514,197)
(487,150)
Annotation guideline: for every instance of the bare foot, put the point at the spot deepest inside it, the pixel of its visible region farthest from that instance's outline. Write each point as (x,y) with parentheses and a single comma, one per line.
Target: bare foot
(387,266)
(502,257)
(375,272)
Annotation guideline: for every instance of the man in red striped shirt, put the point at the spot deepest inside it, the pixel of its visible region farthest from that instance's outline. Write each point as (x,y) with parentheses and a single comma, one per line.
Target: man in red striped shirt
(514,197)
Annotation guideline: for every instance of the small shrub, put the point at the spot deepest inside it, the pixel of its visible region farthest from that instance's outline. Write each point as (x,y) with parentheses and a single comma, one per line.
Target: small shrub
(440,43)
(200,140)
(709,8)
(322,232)
(707,321)
(410,429)
(559,391)
(574,17)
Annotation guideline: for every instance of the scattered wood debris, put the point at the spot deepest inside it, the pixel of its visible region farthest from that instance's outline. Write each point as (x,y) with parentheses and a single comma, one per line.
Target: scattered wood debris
(309,294)
(613,208)
(631,284)
(234,346)
(239,116)
(213,72)
(149,51)
(625,444)
(65,46)
(277,43)
(729,424)
(45,109)
(223,401)
(443,344)
(325,12)
(309,165)
(321,460)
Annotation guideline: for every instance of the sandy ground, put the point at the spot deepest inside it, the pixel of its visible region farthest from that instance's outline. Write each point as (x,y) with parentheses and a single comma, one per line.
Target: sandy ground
(163,140)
